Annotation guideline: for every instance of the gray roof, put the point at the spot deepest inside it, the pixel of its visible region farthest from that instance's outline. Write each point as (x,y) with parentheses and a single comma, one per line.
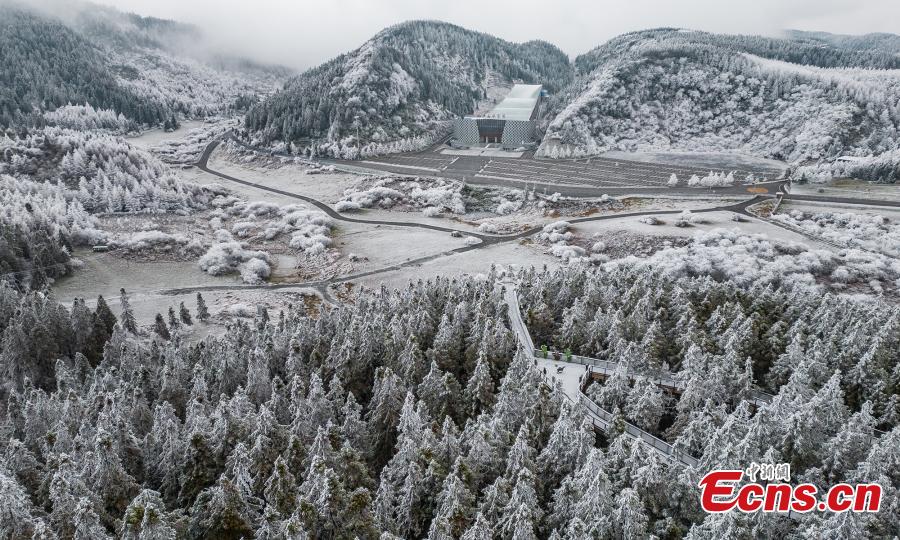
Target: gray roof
(518,104)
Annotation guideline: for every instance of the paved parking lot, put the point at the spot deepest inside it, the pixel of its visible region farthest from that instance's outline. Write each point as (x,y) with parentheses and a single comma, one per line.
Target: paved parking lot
(593,172)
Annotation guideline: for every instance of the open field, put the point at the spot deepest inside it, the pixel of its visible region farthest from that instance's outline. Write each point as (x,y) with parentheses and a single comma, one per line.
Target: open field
(376,246)
(850,188)
(153,137)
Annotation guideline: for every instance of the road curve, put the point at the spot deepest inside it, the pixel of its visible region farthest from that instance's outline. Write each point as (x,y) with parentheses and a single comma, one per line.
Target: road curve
(203,165)
(485,239)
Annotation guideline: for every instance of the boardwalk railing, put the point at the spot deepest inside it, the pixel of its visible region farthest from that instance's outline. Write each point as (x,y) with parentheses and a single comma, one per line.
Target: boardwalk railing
(605,367)
(600,417)
(659,377)
(656,443)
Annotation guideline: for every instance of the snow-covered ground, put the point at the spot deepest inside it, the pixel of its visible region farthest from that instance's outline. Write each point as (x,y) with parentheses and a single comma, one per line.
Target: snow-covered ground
(870,230)
(713,160)
(327,187)
(849,188)
(701,222)
(605,240)
(153,137)
(358,248)
(377,246)
(104,274)
(474,263)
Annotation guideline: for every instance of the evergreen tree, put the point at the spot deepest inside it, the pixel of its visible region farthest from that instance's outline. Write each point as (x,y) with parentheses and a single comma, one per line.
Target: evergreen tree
(221,512)
(127,317)
(146,519)
(184,315)
(174,322)
(202,311)
(160,327)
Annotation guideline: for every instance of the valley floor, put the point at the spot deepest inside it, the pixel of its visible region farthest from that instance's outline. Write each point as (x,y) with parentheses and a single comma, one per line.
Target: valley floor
(363,254)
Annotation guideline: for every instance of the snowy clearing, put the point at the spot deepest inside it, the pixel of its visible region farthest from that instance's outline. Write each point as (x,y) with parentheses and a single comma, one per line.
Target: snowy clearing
(872,232)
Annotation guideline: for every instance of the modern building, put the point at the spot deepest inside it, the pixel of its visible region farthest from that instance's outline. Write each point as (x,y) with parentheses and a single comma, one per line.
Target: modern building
(511,123)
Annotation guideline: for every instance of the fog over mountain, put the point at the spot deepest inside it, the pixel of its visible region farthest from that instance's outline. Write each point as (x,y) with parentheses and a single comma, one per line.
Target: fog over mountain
(283,32)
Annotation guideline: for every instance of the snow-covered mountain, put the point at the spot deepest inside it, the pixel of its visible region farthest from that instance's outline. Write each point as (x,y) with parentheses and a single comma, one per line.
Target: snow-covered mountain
(889,44)
(799,99)
(145,69)
(409,80)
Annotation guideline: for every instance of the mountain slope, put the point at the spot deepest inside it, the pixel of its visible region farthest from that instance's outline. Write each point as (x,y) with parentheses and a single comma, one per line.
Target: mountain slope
(46,65)
(116,62)
(404,82)
(889,44)
(674,89)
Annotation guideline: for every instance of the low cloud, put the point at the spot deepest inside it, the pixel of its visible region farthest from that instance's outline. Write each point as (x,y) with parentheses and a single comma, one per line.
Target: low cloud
(304,33)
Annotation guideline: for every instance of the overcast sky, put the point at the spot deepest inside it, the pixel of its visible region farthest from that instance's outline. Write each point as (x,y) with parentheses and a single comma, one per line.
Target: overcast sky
(303,33)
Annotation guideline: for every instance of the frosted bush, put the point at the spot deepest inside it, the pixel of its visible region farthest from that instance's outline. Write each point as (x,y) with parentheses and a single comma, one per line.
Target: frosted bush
(687,217)
(155,239)
(870,232)
(566,252)
(255,209)
(309,229)
(254,271)
(432,198)
(311,244)
(507,207)
(232,257)
(240,310)
(223,235)
(713,179)
(446,197)
(749,259)
(488,227)
(556,232)
(556,226)
(347,206)
(242,229)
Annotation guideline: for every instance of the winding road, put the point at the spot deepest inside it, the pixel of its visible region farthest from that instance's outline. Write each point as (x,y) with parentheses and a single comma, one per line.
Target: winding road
(485,240)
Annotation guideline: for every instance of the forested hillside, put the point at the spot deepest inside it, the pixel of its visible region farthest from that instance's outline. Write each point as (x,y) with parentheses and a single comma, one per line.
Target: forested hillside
(410,414)
(132,66)
(47,65)
(408,80)
(888,44)
(797,100)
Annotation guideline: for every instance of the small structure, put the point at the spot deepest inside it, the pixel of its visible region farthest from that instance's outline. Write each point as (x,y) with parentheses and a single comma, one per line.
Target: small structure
(848,159)
(511,123)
